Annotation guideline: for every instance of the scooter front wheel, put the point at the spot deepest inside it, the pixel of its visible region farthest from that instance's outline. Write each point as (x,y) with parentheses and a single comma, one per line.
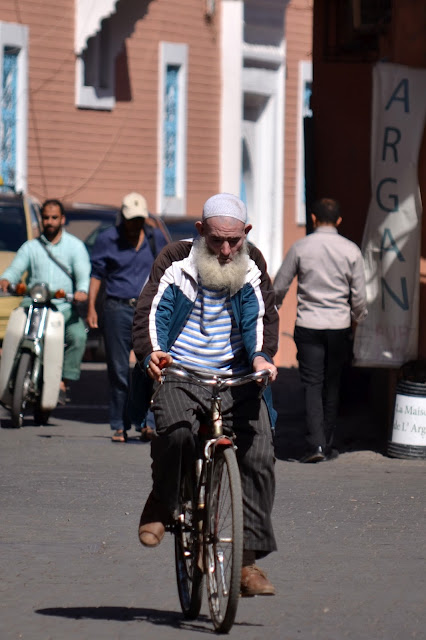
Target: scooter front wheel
(21,390)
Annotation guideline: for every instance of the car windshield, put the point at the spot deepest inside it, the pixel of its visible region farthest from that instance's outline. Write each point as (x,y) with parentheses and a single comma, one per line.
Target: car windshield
(13,230)
(82,225)
(87,225)
(181,228)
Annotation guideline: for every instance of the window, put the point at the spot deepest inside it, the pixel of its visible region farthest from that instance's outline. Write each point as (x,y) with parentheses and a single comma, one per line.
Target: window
(172,128)
(171,114)
(95,82)
(13,100)
(9,103)
(370,15)
(210,8)
(304,112)
(354,28)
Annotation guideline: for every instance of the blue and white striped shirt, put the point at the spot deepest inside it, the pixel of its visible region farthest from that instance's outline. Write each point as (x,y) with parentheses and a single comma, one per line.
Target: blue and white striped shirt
(210,338)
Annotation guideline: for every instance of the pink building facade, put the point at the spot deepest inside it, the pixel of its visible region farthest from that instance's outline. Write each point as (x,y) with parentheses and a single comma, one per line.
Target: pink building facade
(177,100)
(93,132)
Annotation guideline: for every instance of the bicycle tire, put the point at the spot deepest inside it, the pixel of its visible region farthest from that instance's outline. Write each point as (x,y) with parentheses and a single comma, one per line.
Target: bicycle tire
(20,391)
(223,544)
(189,573)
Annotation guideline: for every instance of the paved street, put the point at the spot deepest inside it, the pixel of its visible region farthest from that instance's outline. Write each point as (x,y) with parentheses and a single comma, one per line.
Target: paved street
(351,536)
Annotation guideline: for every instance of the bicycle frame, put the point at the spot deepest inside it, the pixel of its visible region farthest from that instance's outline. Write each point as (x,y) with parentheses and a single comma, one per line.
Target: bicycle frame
(215,436)
(214,431)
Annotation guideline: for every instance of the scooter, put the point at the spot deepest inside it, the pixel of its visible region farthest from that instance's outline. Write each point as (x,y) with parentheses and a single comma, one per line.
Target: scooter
(32,355)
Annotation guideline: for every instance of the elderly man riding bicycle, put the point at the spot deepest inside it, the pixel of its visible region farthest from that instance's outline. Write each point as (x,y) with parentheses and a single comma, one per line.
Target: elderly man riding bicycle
(209,304)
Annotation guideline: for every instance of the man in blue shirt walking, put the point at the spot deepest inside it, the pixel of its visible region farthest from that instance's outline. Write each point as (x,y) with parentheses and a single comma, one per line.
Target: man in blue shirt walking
(122,257)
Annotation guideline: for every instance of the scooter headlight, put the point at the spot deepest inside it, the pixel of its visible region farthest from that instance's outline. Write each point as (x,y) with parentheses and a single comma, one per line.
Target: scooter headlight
(39,293)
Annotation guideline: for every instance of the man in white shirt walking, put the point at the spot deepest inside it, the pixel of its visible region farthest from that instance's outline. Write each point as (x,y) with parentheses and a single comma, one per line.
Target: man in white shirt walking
(331,299)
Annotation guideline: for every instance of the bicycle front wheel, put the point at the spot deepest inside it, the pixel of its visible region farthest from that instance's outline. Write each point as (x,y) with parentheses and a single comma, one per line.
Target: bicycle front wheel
(223,545)
(189,574)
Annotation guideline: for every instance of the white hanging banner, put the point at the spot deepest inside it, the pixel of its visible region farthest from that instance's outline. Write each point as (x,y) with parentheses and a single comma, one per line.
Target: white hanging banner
(391,242)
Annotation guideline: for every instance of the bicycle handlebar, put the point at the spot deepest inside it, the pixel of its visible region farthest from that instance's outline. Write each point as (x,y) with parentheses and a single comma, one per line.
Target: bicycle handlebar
(206,378)
(21,290)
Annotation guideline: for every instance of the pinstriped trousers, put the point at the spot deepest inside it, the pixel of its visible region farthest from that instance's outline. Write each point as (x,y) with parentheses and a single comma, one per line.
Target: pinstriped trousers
(179,408)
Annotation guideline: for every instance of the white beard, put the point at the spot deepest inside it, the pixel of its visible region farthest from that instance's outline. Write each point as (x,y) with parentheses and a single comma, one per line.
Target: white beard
(214,275)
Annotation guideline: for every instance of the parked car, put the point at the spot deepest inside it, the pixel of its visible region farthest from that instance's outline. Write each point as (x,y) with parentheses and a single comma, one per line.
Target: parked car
(19,221)
(180,227)
(86,221)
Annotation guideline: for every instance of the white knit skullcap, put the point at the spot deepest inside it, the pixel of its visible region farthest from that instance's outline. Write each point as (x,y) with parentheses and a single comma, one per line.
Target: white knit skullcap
(225,204)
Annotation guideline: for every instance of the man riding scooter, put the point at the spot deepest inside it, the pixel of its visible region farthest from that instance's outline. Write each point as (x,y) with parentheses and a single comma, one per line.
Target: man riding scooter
(61,261)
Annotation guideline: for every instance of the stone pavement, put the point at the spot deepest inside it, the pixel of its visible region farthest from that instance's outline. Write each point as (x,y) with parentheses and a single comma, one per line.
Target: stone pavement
(350,535)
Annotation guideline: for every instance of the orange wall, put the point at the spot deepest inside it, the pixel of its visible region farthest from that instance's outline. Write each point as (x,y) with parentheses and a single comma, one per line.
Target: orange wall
(298,34)
(97,156)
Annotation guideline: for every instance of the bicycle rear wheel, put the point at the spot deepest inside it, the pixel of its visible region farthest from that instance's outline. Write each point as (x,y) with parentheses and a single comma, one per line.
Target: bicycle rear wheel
(223,547)
(189,573)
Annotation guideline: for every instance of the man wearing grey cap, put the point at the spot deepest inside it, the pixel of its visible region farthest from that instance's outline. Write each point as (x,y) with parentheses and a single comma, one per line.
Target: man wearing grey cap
(195,287)
(122,257)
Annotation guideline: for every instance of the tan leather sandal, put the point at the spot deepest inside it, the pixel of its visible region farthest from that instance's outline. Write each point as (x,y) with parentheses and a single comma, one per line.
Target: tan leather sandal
(119,436)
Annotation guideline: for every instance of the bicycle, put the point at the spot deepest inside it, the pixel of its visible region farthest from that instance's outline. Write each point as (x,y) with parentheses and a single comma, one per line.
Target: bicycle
(208,529)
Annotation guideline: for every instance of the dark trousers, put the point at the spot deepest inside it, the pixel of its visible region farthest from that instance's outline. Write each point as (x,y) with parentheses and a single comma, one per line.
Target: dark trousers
(179,408)
(117,328)
(321,354)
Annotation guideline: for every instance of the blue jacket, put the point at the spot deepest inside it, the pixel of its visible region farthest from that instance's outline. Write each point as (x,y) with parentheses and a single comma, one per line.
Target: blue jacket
(167,300)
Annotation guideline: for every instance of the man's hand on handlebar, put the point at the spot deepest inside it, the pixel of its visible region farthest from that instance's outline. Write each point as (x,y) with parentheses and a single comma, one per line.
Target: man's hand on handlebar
(4,285)
(159,360)
(261,363)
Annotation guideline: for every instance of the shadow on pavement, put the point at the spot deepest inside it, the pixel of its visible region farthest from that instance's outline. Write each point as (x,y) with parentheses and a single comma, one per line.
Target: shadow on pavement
(89,399)
(358,427)
(126,614)
(75,414)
